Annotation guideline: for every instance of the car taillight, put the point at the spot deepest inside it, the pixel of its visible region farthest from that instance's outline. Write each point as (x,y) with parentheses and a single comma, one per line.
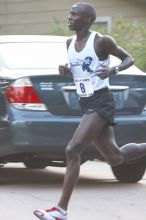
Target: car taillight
(23,96)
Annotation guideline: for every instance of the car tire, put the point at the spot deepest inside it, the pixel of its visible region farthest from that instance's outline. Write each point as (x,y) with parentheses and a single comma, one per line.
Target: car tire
(4,130)
(36,163)
(130,172)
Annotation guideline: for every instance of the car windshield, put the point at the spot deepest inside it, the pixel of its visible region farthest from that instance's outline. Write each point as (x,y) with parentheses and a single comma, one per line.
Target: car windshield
(33,55)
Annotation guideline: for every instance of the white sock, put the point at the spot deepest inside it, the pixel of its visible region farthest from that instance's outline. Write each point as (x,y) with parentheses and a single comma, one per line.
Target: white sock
(62,210)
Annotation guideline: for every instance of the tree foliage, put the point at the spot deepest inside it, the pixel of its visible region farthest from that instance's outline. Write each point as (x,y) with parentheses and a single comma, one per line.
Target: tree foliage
(132,37)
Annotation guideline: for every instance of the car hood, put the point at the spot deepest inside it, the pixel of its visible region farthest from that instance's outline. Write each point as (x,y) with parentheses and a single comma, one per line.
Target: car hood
(53,70)
(18,73)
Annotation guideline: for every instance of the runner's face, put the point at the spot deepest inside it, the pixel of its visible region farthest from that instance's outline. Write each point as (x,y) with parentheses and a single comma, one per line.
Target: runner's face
(76,18)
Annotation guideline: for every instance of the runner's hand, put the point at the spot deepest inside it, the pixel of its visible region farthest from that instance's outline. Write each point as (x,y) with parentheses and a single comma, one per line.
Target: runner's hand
(105,72)
(64,70)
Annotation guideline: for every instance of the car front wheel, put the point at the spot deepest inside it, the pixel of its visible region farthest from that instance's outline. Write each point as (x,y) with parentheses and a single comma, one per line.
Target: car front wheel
(130,172)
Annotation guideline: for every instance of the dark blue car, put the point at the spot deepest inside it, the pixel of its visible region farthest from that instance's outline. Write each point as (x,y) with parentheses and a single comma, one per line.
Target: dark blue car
(39,110)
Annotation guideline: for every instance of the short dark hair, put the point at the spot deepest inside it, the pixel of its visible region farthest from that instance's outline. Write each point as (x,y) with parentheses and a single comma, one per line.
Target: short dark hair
(89,10)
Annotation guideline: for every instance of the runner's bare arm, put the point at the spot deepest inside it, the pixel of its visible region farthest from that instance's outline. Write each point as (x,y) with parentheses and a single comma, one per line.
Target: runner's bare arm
(110,47)
(64,70)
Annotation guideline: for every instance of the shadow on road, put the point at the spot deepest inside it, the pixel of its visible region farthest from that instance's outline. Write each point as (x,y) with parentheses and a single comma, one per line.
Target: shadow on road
(50,176)
(28,176)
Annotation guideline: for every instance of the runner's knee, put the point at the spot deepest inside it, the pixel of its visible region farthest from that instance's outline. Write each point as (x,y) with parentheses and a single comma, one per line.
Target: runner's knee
(73,150)
(117,160)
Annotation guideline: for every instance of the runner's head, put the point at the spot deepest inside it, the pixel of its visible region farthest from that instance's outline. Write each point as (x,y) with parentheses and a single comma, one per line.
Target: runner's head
(81,15)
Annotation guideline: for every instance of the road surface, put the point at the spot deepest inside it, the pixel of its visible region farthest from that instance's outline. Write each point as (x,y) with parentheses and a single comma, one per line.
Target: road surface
(98,195)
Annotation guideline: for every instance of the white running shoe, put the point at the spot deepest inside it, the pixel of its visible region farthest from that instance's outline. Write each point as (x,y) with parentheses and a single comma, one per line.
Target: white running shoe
(50,214)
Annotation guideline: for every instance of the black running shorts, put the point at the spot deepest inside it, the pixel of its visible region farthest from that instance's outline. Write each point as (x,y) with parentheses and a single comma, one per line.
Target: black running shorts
(102,102)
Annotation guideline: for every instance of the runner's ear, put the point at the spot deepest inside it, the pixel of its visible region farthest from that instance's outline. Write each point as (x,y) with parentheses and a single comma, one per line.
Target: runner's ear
(88,20)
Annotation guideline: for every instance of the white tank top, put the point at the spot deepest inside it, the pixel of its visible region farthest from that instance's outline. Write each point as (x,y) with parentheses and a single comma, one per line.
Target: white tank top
(84,65)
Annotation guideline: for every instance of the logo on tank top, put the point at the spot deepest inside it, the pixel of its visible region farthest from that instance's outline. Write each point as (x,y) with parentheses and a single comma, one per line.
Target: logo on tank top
(85,64)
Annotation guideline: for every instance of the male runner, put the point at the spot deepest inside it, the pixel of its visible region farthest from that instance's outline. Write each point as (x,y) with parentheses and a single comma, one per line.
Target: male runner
(88,55)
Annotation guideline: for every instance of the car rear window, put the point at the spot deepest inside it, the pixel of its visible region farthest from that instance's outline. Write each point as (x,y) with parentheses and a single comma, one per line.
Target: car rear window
(33,55)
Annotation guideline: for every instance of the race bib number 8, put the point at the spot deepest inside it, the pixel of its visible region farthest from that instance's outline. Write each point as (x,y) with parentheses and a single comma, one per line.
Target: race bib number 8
(84,86)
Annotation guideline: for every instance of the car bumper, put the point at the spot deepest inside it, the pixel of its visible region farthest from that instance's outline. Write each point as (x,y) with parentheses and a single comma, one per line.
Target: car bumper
(35,132)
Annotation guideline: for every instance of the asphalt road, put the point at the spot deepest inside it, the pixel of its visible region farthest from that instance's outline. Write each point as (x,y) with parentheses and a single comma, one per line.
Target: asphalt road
(98,195)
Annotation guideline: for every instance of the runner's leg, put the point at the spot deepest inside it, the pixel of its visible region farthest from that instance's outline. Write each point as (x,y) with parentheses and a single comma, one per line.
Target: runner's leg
(106,145)
(89,125)
(133,151)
